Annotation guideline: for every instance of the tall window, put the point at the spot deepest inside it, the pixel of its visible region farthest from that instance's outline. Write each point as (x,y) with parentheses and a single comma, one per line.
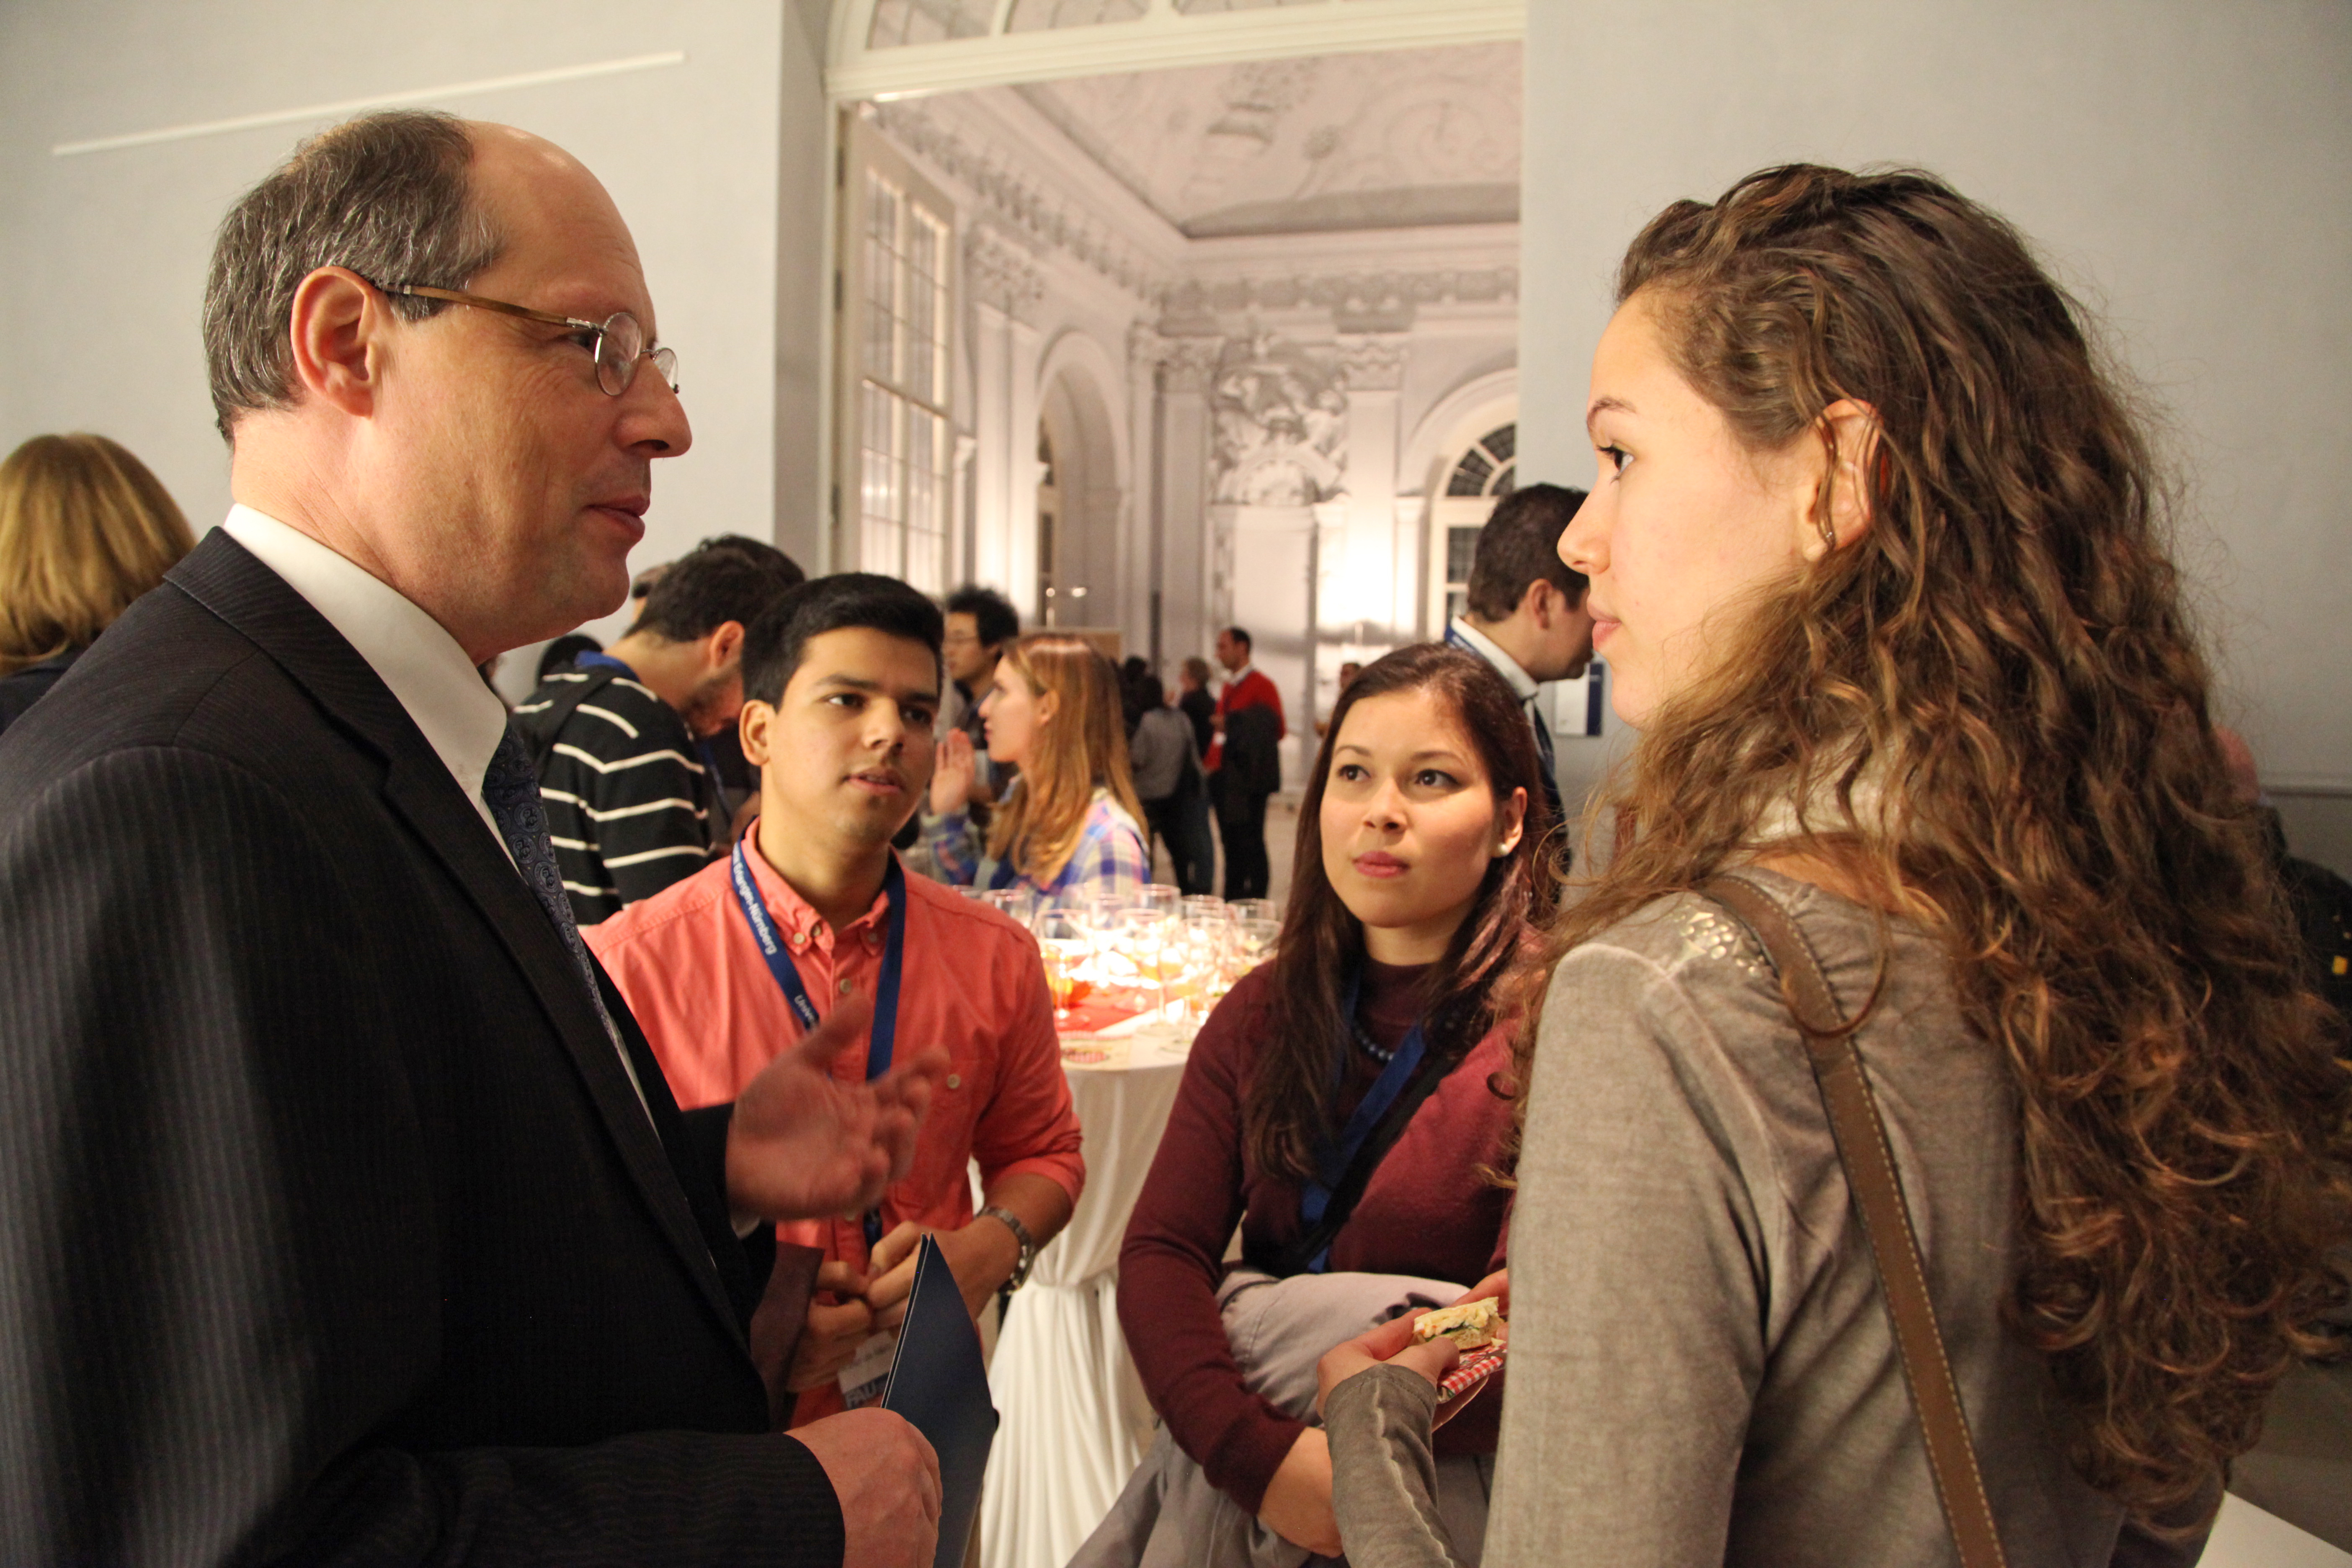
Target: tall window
(896,437)
(1481,477)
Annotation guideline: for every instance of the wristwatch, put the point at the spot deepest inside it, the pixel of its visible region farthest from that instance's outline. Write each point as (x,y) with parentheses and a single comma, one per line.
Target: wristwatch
(1011,1222)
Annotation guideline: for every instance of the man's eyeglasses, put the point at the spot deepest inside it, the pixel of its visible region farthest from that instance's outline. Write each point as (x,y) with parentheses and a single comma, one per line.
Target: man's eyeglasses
(619,342)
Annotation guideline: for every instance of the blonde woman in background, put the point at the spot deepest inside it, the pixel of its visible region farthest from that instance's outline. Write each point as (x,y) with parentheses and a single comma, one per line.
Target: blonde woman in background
(84,530)
(1072,827)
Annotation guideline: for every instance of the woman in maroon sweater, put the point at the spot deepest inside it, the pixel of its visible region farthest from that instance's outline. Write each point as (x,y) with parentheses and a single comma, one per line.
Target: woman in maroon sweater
(1421,859)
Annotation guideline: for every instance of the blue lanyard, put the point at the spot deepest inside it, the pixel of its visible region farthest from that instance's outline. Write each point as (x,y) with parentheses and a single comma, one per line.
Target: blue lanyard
(1331,1165)
(884,1035)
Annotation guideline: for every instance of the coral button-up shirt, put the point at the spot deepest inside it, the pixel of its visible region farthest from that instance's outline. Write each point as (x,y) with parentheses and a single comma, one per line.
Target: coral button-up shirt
(971,982)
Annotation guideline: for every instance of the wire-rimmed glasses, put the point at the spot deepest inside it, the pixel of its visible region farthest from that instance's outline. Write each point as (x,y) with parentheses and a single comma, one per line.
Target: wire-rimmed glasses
(620,341)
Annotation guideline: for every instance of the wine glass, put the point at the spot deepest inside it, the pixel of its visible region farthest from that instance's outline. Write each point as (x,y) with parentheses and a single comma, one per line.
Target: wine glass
(1016,903)
(1253,944)
(1065,945)
(1144,934)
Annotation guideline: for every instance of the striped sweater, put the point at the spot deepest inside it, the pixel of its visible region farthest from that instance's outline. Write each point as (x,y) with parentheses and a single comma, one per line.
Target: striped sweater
(631,806)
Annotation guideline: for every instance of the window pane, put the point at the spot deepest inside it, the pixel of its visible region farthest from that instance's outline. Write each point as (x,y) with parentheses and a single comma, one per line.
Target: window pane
(1461,549)
(897,22)
(879,492)
(882,206)
(1501,442)
(1470,478)
(926,502)
(1041,15)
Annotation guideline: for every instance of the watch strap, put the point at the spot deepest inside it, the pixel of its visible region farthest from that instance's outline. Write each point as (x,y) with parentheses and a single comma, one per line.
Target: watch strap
(1011,1222)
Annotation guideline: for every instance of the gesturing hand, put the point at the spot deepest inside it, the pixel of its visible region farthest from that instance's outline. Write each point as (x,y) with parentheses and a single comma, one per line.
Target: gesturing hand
(953,768)
(802,1145)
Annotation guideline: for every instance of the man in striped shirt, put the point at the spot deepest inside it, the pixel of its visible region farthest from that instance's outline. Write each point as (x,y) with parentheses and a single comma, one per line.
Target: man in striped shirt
(633,803)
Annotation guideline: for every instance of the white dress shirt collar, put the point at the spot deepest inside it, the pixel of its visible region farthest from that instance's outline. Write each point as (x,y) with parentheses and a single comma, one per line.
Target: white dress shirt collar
(1488,649)
(461,717)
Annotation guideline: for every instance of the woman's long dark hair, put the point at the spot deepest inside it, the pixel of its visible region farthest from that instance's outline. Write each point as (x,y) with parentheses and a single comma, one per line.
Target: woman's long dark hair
(1286,1105)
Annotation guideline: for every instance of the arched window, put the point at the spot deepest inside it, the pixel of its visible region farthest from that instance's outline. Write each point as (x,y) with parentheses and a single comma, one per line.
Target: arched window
(1486,469)
(1482,476)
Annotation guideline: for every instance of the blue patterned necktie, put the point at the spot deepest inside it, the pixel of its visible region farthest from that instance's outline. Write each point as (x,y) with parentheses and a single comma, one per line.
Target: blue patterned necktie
(510,789)
(1550,760)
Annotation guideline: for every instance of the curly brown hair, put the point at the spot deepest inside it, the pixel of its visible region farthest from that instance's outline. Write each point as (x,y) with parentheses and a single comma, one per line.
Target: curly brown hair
(1991,713)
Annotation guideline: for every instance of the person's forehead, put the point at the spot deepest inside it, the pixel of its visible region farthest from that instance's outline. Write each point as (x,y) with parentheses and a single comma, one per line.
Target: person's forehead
(900,666)
(566,244)
(1405,723)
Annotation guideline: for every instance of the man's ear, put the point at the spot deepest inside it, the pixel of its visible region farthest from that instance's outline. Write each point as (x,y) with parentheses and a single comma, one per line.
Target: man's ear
(751,728)
(337,331)
(1535,603)
(1848,432)
(724,646)
(1512,821)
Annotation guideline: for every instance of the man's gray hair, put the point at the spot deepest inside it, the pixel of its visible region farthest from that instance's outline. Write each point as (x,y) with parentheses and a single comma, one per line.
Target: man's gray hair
(389,196)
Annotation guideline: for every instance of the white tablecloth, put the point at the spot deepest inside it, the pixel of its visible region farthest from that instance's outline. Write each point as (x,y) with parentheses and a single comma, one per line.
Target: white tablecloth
(1074,1419)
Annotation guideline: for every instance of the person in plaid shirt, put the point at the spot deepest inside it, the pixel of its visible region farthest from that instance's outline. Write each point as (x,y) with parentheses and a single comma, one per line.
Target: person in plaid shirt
(1072,827)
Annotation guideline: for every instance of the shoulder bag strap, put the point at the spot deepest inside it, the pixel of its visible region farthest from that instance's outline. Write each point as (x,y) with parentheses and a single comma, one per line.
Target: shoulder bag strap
(1870,1176)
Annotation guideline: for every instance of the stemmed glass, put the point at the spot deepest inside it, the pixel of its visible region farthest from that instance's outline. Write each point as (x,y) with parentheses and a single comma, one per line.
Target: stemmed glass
(1144,932)
(1018,903)
(1065,945)
(1253,944)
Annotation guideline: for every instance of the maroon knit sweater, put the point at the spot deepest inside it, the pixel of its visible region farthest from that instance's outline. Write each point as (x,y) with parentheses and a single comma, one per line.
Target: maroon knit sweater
(1426,1210)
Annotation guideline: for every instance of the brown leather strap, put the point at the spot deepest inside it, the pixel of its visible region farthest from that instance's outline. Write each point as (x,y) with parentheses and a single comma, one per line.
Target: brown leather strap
(1877,1191)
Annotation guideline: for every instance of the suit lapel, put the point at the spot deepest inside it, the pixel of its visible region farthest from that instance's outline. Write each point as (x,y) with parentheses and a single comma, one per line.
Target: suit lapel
(223,577)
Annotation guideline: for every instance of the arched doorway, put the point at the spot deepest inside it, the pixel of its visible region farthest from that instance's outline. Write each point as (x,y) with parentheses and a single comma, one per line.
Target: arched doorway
(1078,496)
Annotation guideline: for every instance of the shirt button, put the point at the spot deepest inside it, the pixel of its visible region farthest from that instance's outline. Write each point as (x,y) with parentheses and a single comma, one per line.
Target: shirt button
(845,988)
(955,1080)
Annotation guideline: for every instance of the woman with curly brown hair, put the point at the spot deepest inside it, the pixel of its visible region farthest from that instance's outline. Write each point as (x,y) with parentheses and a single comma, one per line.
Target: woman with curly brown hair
(1878,559)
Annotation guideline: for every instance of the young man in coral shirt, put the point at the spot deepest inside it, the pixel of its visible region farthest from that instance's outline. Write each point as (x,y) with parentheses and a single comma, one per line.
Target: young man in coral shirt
(841,680)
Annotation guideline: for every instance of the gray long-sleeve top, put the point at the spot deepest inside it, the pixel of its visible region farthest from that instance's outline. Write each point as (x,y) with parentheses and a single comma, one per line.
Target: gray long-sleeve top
(1157,752)
(1702,1370)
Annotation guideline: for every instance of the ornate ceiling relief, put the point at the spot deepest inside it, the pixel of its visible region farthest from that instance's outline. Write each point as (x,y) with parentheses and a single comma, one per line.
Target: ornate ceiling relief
(1020,200)
(999,272)
(1382,301)
(1280,414)
(1391,140)
(1372,364)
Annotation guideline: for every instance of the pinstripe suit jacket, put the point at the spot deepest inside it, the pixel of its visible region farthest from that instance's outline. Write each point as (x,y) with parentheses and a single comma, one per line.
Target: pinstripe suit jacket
(330,1229)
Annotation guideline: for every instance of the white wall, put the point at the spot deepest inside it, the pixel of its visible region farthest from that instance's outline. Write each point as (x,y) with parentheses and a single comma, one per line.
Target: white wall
(2186,167)
(102,255)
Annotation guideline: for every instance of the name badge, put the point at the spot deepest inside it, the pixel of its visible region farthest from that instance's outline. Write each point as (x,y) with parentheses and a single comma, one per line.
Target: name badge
(863,1379)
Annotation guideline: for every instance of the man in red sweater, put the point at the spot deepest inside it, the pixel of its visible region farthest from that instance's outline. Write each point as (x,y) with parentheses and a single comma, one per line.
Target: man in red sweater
(1245,764)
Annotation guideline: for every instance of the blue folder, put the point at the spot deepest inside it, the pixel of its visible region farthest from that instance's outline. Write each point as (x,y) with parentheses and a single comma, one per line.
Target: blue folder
(939,1382)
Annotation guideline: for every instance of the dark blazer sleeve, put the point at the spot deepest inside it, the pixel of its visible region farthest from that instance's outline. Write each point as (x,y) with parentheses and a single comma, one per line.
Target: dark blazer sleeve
(220,1279)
